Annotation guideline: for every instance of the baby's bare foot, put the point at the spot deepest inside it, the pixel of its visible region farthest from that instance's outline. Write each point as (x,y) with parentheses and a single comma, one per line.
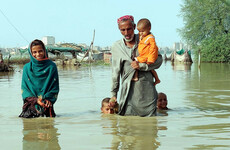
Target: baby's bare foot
(134,79)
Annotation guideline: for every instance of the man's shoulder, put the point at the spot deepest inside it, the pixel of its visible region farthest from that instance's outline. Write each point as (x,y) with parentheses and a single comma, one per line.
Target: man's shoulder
(116,45)
(118,42)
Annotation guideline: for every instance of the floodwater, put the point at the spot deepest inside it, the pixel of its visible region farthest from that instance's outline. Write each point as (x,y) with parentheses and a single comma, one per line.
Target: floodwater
(199,117)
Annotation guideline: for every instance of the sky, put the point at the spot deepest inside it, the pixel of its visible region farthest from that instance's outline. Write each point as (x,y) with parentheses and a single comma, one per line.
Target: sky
(74,21)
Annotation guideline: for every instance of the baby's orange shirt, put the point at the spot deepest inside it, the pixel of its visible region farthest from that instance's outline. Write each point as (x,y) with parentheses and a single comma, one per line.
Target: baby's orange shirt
(148,50)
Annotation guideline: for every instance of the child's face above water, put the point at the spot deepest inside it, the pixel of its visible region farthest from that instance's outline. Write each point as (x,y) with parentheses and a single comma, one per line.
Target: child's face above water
(162,101)
(106,109)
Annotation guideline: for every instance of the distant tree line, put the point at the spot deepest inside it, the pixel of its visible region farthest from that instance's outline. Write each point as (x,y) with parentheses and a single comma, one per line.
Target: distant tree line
(207,28)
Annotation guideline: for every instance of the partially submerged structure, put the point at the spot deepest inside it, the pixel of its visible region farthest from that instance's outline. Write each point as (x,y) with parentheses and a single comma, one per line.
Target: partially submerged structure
(4,67)
(63,52)
(57,50)
(182,56)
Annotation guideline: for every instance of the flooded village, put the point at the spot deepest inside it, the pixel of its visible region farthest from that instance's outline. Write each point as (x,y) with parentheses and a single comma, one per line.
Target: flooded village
(60,53)
(64,88)
(64,53)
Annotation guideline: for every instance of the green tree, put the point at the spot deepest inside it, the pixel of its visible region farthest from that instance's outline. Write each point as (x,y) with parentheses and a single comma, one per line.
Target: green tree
(207,28)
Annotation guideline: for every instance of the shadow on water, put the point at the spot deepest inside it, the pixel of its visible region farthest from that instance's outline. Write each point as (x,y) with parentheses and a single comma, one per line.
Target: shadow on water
(40,133)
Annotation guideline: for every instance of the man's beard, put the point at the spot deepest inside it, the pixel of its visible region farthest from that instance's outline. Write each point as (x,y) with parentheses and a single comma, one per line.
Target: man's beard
(129,40)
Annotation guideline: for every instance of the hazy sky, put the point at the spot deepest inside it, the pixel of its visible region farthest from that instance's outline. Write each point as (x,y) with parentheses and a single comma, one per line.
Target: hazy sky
(75,20)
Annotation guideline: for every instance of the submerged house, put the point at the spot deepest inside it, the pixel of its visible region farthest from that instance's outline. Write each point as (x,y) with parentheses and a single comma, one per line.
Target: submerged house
(181,56)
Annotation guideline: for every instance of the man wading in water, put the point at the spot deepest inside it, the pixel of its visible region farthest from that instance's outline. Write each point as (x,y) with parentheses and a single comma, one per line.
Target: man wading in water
(138,98)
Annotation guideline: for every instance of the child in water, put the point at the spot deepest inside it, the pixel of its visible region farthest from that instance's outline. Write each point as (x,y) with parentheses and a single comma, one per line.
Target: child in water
(108,106)
(162,102)
(147,48)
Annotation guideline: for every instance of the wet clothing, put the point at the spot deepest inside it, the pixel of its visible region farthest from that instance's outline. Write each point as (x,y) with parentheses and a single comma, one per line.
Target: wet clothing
(148,50)
(136,98)
(40,79)
(31,109)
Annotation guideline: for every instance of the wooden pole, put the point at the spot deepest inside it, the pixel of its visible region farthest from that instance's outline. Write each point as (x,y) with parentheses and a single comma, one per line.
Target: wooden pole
(89,50)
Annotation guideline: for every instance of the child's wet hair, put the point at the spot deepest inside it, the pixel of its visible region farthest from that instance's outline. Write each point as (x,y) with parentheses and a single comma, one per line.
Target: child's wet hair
(105,100)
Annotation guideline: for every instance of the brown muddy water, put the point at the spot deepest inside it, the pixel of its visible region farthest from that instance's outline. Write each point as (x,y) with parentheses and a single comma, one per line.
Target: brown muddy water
(199,117)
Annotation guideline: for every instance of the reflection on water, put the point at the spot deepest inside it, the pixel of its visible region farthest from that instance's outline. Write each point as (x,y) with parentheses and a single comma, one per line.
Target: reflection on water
(40,133)
(6,75)
(181,66)
(132,132)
